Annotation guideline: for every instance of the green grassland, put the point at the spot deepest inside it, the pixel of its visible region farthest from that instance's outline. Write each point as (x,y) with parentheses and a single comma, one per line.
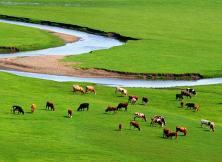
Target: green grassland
(26,39)
(176,36)
(92,135)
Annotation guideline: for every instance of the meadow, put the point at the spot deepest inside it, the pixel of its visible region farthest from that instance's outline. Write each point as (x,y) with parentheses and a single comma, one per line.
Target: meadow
(26,39)
(92,135)
(176,36)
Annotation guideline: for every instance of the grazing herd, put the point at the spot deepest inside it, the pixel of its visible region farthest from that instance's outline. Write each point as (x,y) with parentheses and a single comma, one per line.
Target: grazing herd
(132,99)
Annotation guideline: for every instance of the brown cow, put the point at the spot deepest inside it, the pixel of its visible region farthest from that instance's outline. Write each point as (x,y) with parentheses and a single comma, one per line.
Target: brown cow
(122,105)
(165,132)
(33,108)
(90,89)
(132,99)
(181,129)
(50,105)
(135,125)
(171,134)
(69,113)
(109,108)
(78,88)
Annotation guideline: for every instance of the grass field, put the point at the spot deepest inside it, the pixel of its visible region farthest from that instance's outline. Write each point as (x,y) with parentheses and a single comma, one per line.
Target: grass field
(93,135)
(176,36)
(26,39)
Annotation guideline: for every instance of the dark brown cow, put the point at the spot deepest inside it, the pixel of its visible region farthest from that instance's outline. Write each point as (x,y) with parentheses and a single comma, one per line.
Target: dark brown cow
(145,100)
(194,106)
(135,125)
(109,109)
(69,113)
(50,105)
(165,132)
(122,105)
(83,106)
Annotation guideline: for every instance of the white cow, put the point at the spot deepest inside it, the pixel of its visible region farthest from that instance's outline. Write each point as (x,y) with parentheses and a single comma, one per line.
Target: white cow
(121,91)
(208,123)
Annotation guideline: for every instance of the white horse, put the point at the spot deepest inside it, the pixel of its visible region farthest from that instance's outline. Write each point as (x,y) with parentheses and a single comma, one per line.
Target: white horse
(139,115)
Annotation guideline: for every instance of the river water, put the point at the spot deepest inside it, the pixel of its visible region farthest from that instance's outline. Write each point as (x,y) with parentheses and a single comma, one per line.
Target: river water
(87,43)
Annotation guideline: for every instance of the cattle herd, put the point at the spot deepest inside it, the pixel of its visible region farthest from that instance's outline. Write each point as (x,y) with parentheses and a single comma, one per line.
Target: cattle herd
(132,99)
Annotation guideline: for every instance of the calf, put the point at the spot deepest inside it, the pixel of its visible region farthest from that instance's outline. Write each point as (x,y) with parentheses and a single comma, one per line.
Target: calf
(33,108)
(69,113)
(83,106)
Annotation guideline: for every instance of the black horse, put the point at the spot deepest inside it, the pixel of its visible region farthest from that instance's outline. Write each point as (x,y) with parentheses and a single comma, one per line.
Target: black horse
(83,106)
(18,109)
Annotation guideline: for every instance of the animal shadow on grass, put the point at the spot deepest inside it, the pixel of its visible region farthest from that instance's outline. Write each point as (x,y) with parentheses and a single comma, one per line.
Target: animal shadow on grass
(120,96)
(206,130)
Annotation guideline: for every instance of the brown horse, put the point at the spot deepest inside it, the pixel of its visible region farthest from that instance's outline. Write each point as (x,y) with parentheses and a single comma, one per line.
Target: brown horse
(135,125)
(181,129)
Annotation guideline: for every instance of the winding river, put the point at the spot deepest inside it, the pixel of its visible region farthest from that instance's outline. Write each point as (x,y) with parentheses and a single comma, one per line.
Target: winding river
(87,43)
